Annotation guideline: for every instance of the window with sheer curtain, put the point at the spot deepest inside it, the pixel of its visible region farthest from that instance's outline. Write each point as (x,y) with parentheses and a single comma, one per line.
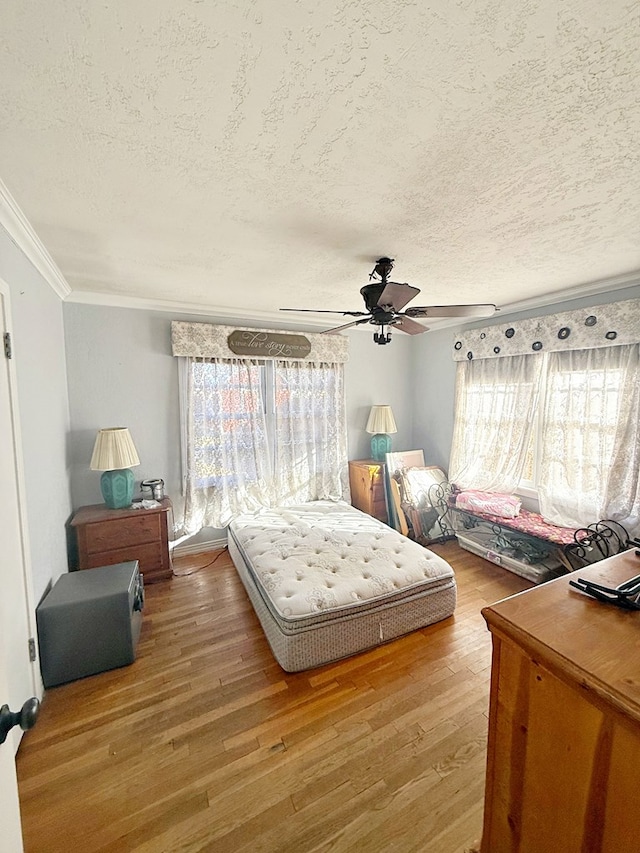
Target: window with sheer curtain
(568,422)
(260,434)
(495,403)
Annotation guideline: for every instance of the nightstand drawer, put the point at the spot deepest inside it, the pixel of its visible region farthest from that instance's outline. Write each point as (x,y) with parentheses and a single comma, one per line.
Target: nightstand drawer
(149,556)
(105,536)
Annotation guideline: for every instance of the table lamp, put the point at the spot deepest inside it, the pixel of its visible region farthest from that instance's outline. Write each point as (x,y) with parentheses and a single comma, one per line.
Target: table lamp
(381,422)
(114,453)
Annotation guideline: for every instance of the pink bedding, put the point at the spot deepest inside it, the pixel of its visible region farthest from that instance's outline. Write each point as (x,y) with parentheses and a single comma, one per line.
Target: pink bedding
(526,522)
(503,506)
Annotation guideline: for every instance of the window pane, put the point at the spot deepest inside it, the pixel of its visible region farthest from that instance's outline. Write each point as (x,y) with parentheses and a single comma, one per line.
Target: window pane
(495,405)
(227,422)
(310,455)
(584,391)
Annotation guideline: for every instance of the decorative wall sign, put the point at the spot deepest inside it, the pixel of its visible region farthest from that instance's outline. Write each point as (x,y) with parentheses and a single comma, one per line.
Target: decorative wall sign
(586,328)
(268,344)
(206,340)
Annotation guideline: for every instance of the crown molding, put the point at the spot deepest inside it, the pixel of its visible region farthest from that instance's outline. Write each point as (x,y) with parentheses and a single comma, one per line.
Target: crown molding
(239,315)
(580,291)
(604,285)
(15,223)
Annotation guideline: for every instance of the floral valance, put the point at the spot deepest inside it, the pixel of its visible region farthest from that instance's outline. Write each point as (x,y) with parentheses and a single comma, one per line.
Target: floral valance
(585,328)
(205,340)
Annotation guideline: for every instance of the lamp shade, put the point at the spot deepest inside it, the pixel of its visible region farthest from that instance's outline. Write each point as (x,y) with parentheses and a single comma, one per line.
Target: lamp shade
(114,450)
(381,421)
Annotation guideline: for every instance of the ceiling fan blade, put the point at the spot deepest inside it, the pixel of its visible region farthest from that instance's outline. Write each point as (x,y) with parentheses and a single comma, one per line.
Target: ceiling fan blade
(397,295)
(347,326)
(325,311)
(474,310)
(409,326)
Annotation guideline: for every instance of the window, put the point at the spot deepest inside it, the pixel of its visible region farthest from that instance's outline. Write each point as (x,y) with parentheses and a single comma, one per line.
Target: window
(309,432)
(579,409)
(584,390)
(495,406)
(259,434)
(235,406)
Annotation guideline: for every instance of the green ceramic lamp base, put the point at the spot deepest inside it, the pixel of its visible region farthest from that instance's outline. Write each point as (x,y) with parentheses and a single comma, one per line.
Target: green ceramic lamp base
(117,488)
(380,446)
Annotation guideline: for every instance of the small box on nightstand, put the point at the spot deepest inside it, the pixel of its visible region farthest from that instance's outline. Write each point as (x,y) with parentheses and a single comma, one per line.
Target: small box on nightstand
(89,622)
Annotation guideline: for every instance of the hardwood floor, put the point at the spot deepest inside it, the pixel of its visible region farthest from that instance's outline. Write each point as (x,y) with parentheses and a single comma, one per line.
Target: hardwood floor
(204,743)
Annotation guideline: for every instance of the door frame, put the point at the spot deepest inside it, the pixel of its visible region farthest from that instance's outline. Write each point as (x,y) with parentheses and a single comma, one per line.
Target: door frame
(37,685)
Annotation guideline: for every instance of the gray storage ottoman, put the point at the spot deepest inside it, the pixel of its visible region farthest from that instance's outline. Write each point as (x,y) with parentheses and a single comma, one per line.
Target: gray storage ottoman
(90,622)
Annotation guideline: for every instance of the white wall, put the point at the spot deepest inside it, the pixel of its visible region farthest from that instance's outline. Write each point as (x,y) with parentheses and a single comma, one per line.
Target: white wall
(121,373)
(38,351)
(434,372)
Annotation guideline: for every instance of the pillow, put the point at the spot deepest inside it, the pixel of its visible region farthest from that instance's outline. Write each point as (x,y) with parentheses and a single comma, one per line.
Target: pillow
(490,503)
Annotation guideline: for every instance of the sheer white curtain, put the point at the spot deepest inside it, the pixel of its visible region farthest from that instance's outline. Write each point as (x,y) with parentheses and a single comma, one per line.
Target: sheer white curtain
(495,402)
(310,432)
(622,492)
(228,454)
(590,455)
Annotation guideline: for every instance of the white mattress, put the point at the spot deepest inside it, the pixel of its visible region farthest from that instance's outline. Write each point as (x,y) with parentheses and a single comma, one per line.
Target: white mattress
(326,563)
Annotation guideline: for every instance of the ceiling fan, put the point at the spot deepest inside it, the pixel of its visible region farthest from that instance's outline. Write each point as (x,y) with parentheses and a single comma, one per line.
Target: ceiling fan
(384,301)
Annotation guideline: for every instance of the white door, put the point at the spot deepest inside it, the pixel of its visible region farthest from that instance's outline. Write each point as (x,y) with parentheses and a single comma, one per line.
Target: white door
(17,674)
(11,838)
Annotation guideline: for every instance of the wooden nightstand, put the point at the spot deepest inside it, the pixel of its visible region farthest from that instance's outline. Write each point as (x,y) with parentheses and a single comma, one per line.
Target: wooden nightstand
(366,481)
(107,536)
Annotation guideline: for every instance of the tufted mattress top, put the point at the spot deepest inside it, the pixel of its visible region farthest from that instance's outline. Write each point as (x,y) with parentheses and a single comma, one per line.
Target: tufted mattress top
(323,559)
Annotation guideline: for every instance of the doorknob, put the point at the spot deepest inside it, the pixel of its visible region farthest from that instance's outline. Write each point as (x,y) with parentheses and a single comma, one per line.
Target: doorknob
(25,718)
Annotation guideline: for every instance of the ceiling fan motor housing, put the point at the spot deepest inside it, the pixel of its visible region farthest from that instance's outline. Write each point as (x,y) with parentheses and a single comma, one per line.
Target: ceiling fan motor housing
(371,293)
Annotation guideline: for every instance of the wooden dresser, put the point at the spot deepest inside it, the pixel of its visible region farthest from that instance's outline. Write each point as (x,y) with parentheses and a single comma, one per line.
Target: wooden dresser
(563,763)
(366,481)
(107,536)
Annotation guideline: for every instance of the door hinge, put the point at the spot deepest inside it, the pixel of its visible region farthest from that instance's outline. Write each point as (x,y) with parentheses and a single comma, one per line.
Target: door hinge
(32,649)
(7,344)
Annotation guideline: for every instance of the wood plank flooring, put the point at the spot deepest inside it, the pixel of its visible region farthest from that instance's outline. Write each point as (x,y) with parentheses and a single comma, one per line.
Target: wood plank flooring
(205,744)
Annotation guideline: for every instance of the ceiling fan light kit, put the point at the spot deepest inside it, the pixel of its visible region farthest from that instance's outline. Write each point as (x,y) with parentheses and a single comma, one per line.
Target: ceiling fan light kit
(384,301)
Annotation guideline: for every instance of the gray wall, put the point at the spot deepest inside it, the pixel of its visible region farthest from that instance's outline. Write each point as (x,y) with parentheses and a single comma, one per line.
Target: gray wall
(378,375)
(38,350)
(434,372)
(121,373)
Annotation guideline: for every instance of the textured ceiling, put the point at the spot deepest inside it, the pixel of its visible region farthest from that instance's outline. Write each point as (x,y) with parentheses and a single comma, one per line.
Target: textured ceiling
(250,155)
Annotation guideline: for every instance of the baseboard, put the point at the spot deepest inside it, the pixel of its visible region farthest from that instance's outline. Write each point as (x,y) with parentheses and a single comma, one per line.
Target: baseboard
(199,547)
